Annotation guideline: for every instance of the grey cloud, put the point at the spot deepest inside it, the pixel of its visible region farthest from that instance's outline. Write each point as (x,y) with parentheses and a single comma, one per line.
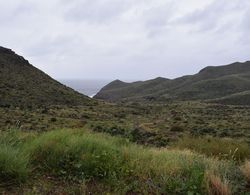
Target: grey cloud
(157,19)
(211,17)
(97,11)
(244,28)
(126,39)
(160,15)
(246,19)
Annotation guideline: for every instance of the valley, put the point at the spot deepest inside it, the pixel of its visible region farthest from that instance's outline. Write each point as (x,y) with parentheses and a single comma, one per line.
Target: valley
(155,137)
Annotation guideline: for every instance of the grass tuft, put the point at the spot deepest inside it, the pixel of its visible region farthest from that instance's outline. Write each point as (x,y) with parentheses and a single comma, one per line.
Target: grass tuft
(246,170)
(13,165)
(216,186)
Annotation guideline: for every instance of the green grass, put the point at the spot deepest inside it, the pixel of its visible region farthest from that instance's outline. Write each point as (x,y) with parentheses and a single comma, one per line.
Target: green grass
(13,166)
(13,162)
(113,164)
(74,155)
(125,167)
(224,148)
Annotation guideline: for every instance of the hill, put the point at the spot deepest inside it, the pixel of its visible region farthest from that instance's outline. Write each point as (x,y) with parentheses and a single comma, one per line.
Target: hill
(211,83)
(23,85)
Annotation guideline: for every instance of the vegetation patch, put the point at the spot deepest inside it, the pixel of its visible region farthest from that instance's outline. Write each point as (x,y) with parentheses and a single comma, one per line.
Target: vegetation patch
(223,148)
(117,165)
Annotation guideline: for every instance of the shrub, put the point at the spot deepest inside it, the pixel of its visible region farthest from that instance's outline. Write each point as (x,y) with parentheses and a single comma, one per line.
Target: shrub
(177,129)
(53,119)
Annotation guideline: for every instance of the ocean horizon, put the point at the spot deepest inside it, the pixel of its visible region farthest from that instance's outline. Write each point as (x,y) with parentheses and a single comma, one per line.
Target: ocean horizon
(89,87)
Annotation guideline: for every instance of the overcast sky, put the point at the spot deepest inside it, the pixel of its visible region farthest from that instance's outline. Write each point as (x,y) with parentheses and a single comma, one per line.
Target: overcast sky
(126,39)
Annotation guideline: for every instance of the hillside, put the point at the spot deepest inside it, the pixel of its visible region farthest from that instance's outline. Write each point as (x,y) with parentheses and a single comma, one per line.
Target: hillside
(83,146)
(242,98)
(210,83)
(23,85)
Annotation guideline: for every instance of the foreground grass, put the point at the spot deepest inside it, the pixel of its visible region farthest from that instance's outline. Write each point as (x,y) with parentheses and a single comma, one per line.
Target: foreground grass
(116,166)
(13,162)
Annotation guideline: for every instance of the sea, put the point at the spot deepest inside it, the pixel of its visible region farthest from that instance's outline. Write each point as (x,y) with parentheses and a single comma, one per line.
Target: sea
(88,87)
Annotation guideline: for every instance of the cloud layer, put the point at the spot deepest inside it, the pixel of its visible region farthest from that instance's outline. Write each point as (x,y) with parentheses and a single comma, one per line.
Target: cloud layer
(129,39)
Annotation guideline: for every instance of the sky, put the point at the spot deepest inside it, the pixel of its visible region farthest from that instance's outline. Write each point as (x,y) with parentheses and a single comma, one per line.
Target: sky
(126,39)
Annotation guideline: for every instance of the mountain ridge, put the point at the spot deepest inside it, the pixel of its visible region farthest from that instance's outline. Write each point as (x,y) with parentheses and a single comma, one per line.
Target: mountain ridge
(212,82)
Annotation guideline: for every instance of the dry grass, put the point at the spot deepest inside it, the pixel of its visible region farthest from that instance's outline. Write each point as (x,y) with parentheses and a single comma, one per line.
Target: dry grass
(246,171)
(216,186)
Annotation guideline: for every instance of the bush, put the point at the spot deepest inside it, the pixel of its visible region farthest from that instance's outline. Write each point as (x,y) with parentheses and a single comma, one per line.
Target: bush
(177,129)
(53,119)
